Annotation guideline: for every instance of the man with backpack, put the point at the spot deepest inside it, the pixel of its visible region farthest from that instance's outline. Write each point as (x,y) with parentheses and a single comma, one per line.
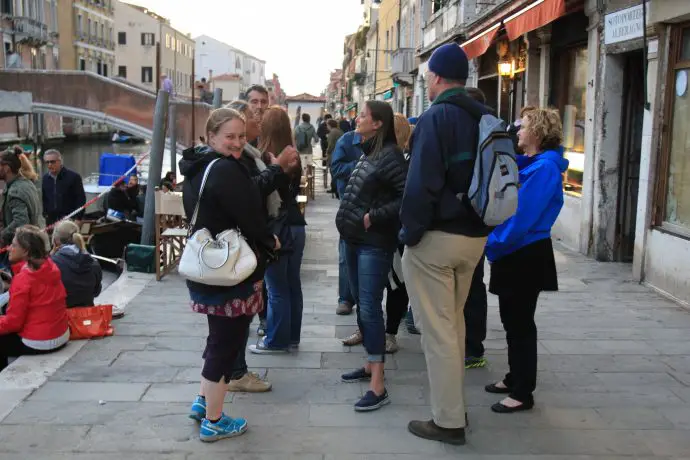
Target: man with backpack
(448,210)
(304,134)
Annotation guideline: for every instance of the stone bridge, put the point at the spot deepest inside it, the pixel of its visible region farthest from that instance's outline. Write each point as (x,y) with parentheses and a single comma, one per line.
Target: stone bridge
(89,96)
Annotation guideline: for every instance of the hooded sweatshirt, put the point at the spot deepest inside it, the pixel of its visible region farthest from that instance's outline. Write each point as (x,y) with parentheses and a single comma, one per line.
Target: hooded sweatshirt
(540,200)
(81,275)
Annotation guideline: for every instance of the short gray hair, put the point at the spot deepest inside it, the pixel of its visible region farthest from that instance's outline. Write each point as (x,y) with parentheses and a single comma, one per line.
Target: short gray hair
(53,152)
(240,106)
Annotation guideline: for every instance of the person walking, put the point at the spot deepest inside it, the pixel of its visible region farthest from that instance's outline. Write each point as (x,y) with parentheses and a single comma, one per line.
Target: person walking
(368,222)
(521,253)
(229,200)
(322,132)
(347,152)
(334,133)
(444,238)
(304,135)
(63,189)
(285,300)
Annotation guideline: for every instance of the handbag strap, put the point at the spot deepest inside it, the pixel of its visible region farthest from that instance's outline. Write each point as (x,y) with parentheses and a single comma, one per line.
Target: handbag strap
(201,191)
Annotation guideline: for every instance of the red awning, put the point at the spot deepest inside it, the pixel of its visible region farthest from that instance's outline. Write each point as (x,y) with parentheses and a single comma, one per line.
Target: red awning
(476,46)
(532,17)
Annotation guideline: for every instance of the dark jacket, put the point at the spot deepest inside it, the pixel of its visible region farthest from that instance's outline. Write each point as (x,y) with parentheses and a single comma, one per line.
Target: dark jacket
(344,126)
(231,199)
(21,205)
(62,194)
(443,150)
(376,187)
(322,132)
(333,137)
(81,275)
(267,180)
(345,156)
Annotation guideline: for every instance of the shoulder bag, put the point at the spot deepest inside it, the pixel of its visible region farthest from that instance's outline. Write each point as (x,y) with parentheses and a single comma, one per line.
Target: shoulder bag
(226,260)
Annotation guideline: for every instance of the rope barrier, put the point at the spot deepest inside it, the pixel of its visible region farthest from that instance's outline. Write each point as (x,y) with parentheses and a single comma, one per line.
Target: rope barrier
(93,200)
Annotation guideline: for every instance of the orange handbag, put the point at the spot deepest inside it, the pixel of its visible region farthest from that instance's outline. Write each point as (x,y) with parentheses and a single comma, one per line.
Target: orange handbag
(90,322)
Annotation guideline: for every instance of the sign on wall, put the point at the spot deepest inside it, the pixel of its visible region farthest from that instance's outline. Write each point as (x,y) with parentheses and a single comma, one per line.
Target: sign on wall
(624,25)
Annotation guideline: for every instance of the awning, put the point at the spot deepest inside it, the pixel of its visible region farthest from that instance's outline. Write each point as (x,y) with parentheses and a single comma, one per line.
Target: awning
(476,46)
(534,16)
(351,106)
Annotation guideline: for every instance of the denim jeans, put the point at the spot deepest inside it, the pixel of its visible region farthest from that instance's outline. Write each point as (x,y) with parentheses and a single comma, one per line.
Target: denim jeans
(344,294)
(285,301)
(367,269)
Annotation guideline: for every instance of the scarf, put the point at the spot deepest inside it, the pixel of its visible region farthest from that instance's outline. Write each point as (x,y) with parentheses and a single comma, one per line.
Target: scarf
(273,201)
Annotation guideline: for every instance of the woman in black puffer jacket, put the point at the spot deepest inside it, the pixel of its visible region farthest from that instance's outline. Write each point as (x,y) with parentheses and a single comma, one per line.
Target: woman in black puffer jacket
(368,223)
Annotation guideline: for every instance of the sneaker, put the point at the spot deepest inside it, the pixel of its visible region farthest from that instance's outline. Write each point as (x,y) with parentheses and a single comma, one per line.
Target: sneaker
(354,339)
(359,375)
(472,362)
(370,401)
(261,330)
(198,411)
(429,430)
(226,427)
(262,349)
(391,343)
(343,308)
(249,383)
(118,312)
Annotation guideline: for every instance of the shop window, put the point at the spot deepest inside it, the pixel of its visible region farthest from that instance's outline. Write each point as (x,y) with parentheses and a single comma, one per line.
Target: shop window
(675,166)
(571,67)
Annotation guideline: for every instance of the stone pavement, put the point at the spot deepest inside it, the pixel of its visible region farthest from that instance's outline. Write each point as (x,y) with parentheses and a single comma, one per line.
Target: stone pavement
(614,381)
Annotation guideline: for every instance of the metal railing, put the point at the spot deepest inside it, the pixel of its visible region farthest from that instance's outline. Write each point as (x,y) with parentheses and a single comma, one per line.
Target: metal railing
(30,29)
(403,62)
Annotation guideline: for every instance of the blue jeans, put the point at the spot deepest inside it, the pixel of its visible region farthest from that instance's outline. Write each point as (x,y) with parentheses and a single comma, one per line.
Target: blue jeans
(344,294)
(367,269)
(285,301)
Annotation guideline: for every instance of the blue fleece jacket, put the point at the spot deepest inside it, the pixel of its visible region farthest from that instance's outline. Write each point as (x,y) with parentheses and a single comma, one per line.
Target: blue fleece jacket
(347,151)
(540,200)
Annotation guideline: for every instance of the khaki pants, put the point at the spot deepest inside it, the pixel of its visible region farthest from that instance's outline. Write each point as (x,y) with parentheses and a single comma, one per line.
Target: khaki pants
(438,274)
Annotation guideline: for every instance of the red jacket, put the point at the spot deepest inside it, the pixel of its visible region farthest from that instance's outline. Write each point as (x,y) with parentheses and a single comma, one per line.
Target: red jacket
(37,308)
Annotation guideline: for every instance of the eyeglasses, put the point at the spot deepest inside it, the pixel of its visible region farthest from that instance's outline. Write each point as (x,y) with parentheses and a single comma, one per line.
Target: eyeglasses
(50,162)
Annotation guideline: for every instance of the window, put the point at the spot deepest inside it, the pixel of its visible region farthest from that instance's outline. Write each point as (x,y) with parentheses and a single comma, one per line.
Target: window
(167,40)
(88,26)
(147,39)
(147,74)
(570,99)
(238,64)
(105,70)
(674,183)
(82,64)
(80,27)
(122,71)
(6,7)
(102,31)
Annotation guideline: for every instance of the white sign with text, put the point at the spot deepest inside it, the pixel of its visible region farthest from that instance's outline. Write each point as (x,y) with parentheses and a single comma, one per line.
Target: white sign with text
(624,25)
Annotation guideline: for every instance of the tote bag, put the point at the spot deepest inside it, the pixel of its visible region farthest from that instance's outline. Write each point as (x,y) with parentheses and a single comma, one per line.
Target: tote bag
(90,322)
(225,260)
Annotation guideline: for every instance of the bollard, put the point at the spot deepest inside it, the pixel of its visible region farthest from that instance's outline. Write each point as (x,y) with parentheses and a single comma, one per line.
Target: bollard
(172,115)
(217,98)
(155,167)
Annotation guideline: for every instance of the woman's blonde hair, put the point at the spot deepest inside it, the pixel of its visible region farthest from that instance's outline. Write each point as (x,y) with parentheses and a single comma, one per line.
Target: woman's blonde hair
(35,242)
(67,232)
(402,130)
(221,116)
(545,125)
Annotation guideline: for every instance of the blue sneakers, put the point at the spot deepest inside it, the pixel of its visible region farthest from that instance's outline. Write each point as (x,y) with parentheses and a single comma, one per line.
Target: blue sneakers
(370,401)
(359,375)
(226,427)
(198,411)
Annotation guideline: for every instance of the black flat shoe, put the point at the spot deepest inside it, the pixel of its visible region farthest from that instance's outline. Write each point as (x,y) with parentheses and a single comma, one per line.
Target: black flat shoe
(501,409)
(429,430)
(492,388)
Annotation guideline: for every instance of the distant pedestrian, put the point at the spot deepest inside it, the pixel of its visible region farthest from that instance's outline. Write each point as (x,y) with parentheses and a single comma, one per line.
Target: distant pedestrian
(63,189)
(334,133)
(344,125)
(322,132)
(167,85)
(304,135)
(521,253)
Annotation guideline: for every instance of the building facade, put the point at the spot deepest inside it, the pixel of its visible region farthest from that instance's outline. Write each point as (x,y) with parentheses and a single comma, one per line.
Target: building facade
(214,57)
(305,103)
(29,30)
(229,83)
(145,39)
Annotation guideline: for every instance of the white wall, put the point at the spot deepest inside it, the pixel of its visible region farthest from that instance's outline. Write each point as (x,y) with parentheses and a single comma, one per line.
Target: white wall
(133,55)
(666,264)
(567,226)
(221,58)
(312,108)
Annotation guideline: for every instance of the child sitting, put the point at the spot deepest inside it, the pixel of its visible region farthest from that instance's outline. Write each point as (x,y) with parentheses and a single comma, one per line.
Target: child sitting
(36,319)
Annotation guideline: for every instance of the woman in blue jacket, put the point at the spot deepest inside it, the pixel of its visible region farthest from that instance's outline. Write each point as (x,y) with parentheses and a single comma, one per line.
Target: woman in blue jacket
(521,253)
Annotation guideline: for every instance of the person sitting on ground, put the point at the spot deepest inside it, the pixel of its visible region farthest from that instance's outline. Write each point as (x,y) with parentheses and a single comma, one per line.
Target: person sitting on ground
(36,319)
(81,274)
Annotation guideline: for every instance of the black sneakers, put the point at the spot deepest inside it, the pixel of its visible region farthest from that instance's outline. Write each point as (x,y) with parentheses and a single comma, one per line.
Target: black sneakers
(429,430)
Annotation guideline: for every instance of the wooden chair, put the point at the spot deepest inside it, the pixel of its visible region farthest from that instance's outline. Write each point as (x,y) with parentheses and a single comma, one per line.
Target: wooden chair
(310,181)
(171,231)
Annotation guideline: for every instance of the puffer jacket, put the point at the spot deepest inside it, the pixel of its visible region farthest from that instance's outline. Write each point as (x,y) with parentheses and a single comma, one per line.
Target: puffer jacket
(376,187)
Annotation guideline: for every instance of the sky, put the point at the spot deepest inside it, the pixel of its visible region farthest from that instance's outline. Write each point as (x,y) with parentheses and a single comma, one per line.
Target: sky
(300,40)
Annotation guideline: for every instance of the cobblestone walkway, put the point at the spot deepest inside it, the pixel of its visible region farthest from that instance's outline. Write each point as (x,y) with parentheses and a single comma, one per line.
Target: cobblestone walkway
(614,381)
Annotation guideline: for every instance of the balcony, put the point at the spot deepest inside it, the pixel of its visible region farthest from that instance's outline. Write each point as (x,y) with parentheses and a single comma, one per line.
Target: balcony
(403,65)
(30,31)
(443,24)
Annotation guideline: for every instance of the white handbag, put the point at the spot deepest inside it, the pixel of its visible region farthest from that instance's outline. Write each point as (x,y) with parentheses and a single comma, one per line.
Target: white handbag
(226,260)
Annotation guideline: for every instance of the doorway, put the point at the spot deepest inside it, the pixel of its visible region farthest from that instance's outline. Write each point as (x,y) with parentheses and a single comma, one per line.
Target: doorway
(630,153)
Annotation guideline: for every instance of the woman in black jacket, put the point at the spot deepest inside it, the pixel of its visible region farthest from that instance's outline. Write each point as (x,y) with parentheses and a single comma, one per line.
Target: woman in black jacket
(230,200)
(368,223)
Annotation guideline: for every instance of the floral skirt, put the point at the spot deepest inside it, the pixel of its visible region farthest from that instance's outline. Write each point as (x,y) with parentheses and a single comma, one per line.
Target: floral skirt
(233,308)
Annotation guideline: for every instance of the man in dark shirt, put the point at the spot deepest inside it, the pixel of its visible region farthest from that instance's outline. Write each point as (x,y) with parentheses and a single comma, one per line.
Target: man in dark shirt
(63,190)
